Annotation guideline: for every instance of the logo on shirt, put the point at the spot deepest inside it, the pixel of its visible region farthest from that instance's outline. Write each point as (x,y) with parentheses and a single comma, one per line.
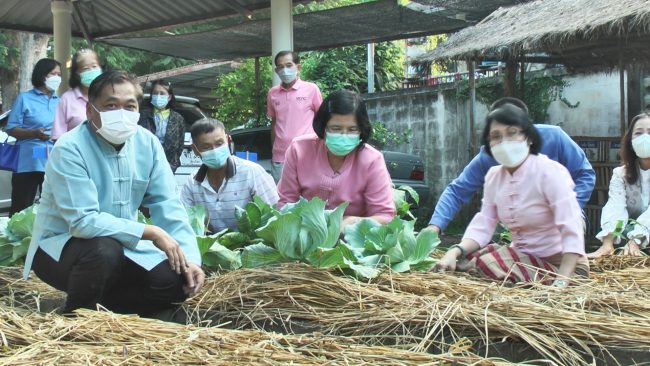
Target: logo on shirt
(301,99)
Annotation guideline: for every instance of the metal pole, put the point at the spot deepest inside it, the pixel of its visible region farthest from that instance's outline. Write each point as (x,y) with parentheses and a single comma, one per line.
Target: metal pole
(258,86)
(281,29)
(371,67)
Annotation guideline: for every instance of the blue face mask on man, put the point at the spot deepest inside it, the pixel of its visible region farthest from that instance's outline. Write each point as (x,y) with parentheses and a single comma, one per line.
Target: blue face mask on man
(216,158)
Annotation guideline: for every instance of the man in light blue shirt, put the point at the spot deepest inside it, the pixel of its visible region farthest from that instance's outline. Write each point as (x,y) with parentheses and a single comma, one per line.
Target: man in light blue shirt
(556,144)
(86,239)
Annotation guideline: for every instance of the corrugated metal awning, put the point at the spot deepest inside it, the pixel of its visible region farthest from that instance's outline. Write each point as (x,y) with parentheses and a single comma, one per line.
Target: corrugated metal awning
(104,18)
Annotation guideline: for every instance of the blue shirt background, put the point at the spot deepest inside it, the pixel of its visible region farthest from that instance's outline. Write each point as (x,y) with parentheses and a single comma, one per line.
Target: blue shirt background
(556,144)
(92,190)
(32,109)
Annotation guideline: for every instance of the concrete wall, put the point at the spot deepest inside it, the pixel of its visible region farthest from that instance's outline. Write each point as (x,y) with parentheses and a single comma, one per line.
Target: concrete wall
(439,126)
(598,113)
(440,123)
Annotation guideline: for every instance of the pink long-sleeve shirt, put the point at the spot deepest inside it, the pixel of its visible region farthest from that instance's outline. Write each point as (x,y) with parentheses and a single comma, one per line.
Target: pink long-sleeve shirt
(362,180)
(70,112)
(537,203)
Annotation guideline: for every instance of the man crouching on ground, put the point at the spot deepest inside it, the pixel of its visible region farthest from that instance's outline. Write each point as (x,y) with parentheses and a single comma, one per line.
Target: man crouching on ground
(86,240)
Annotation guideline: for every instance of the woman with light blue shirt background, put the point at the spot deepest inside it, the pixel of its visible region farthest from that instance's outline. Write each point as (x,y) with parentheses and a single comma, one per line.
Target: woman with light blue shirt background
(30,123)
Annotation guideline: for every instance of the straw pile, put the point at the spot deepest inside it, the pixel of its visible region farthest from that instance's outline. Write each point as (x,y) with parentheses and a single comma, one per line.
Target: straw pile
(431,310)
(103,338)
(414,312)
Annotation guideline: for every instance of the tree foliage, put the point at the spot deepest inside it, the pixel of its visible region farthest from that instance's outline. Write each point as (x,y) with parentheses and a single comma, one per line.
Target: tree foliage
(134,61)
(345,68)
(239,98)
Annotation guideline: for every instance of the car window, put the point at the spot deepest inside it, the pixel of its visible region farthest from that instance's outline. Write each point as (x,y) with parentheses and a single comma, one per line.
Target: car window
(254,141)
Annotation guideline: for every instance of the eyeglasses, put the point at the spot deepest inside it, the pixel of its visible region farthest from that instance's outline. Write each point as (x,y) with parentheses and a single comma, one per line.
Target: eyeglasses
(510,135)
(344,131)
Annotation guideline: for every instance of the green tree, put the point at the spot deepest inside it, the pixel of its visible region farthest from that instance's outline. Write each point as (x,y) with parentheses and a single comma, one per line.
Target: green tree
(345,67)
(134,61)
(240,101)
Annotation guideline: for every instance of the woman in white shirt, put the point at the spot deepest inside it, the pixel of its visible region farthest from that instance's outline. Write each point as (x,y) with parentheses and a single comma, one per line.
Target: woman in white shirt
(626,215)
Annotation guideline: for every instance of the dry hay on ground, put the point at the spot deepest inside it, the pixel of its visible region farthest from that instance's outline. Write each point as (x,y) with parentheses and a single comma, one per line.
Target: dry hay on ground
(104,338)
(421,311)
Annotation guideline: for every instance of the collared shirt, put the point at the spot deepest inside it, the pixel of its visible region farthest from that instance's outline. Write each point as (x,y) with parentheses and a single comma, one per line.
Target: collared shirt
(556,144)
(293,110)
(32,109)
(362,180)
(161,118)
(70,113)
(93,190)
(537,203)
(247,180)
(627,201)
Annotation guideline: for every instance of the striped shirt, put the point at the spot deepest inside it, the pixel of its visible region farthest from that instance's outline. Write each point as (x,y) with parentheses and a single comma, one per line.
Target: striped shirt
(244,180)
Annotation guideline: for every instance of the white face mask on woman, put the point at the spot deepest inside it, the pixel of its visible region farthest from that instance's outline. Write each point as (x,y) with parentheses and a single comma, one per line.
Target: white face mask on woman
(511,153)
(52,83)
(117,125)
(641,146)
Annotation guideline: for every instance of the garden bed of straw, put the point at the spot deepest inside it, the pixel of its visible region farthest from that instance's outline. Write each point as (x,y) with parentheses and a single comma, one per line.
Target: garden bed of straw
(297,314)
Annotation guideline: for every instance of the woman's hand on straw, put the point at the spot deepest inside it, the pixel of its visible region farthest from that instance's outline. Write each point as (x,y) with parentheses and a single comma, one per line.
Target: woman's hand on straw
(447,262)
(632,248)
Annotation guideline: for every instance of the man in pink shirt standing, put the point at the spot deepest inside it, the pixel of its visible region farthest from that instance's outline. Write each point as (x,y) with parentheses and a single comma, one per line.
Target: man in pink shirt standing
(291,107)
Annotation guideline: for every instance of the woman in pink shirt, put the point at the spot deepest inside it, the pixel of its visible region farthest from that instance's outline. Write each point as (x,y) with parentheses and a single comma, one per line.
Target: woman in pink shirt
(72,106)
(337,164)
(533,197)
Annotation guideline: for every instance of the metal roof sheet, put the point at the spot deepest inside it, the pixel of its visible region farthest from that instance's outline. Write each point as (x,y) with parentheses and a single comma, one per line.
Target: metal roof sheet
(358,24)
(103,18)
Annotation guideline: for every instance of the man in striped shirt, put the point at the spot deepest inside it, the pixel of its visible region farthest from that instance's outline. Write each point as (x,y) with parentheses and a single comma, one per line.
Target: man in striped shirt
(223,181)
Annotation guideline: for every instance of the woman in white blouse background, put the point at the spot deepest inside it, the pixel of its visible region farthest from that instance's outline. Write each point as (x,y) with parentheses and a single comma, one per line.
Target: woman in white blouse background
(629,194)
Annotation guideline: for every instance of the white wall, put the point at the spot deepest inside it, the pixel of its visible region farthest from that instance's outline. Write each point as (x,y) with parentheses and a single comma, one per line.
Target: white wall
(599,111)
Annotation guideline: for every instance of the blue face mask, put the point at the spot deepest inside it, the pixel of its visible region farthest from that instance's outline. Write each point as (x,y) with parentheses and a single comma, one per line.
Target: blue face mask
(216,158)
(159,101)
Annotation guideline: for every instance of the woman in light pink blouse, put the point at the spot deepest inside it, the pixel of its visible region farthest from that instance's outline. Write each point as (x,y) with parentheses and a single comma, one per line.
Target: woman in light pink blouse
(533,197)
(337,165)
(72,107)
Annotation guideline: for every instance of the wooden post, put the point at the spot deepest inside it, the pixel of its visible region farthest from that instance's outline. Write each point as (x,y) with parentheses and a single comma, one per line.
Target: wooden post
(522,79)
(621,70)
(472,103)
(509,84)
(258,86)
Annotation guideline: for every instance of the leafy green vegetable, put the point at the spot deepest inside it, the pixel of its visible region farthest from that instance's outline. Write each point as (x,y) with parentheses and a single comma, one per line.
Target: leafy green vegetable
(394,244)
(20,225)
(197,215)
(259,255)
(219,256)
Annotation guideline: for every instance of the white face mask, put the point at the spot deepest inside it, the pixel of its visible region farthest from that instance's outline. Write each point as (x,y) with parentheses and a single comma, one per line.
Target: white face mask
(53,82)
(641,146)
(511,153)
(117,125)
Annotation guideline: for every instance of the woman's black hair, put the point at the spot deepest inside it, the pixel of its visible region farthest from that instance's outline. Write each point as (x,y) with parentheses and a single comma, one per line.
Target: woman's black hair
(74,79)
(511,115)
(343,102)
(629,158)
(168,86)
(43,67)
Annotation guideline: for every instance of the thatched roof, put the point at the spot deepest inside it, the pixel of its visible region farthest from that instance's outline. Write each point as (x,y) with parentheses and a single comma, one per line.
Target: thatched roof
(579,33)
